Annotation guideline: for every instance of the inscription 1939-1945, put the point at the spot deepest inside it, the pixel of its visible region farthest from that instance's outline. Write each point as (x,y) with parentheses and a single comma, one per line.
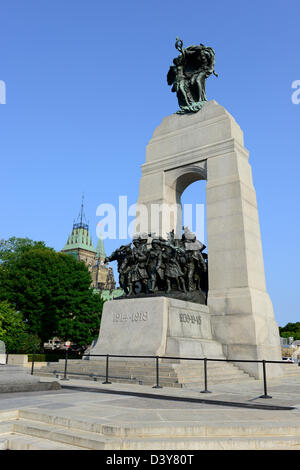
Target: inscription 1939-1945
(189,318)
(134,317)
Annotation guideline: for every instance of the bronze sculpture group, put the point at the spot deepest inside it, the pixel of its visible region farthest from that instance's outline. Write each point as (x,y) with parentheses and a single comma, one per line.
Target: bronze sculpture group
(172,266)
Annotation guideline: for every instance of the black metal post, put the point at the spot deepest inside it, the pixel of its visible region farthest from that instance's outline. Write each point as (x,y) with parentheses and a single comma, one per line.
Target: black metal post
(32,363)
(205,377)
(66,366)
(157,374)
(106,379)
(265,395)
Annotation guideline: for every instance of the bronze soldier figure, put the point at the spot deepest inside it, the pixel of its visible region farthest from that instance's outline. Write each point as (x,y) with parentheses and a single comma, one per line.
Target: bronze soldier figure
(155,265)
(123,256)
(139,273)
(173,272)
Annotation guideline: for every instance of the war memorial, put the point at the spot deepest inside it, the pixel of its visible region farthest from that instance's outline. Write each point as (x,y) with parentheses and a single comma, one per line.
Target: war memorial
(182,298)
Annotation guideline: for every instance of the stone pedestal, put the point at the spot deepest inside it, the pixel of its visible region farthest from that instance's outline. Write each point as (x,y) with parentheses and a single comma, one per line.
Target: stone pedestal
(156,326)
(18,379)
(2,353)
(209,145)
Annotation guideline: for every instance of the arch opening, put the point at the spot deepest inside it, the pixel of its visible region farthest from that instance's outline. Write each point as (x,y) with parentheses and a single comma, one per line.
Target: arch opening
(193,204)
(191,199)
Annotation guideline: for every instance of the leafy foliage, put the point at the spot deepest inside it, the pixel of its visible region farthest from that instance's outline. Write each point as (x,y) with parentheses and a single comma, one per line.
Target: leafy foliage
(13,331)
(290,329)
(17,246)
(50,290)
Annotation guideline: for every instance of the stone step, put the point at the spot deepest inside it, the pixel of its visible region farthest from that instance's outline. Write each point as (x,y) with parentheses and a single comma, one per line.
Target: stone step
(14,441)
(170,369)
(290,369)
(3,443)
(150,373)
(205,443)
(167,382)
(5,427)
(134,371)
(136,364)
(287,368)
(265,428)
(71,376)
(149,376)
(62,435)
(45,435)
(23,442)
(192,382)
(167,368)
(196,373)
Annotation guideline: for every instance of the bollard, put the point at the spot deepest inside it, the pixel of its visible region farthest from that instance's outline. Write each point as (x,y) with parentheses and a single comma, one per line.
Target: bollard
(205,377)
(106,379)
(157,374)
(32,364)
(66,366)
(265,395)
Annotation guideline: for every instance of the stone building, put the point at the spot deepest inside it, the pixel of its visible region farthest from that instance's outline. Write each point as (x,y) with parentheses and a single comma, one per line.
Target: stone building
(102,274)
(80,245)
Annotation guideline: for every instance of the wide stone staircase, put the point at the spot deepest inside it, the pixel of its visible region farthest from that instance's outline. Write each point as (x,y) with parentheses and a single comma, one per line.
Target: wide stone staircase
(40,430)
(185,374)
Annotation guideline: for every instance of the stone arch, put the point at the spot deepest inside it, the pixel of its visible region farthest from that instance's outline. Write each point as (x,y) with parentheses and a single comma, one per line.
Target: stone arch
(178,180)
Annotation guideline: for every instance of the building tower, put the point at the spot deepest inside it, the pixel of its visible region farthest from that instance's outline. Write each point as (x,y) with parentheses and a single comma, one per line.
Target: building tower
(80,245)
(102,275)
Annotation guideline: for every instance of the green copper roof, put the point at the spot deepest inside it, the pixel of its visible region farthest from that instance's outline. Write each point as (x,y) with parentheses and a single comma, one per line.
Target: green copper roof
(107,295)
(79,238)
(100,252)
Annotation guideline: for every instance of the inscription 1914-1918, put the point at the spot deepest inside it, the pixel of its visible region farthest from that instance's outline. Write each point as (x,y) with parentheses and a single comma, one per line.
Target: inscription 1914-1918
(134,317)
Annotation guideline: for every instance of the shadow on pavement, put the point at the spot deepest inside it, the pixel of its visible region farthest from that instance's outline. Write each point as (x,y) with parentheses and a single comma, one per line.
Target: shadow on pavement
(257,406)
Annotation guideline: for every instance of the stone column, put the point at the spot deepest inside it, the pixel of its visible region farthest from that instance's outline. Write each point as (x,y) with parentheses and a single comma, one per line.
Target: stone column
(242,312)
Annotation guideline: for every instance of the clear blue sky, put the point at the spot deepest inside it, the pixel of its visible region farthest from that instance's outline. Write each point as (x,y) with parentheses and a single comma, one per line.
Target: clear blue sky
(86,87)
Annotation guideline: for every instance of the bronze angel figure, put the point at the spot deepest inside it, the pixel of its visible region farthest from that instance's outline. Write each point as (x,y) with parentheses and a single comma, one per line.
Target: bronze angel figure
(188,75)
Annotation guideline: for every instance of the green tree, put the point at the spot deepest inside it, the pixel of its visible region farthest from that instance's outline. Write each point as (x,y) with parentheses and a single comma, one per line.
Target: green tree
(10,251)
(290,329)
(51,290)
(13,331)
(14,247)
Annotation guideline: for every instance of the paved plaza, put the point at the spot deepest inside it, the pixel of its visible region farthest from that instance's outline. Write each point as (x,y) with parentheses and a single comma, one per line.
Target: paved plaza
(91,415)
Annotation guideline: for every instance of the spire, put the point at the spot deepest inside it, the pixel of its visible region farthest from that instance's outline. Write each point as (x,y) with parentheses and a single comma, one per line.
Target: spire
(81,219)
(80,237)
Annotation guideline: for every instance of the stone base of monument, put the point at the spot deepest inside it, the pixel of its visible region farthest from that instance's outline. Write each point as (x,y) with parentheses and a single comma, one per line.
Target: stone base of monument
(156,326)
(153,326)
(18,379)
(167,327)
